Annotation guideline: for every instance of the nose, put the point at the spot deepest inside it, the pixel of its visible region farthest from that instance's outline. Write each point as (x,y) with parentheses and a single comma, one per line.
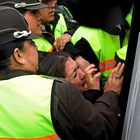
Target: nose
(81,74)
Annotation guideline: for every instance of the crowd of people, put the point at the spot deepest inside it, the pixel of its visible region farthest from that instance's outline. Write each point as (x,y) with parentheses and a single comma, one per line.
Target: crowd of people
(59,78)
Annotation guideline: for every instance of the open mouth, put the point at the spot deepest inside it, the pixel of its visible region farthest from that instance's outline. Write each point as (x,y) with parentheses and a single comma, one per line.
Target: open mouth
(52,12)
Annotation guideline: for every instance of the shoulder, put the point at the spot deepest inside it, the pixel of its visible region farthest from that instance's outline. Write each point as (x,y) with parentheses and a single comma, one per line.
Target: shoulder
(62,84)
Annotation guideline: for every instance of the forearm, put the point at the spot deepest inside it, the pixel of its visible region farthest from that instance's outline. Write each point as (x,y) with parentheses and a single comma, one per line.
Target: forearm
(92,95)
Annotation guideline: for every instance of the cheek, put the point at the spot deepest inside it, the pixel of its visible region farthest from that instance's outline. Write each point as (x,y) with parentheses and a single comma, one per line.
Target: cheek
(37,59)
(34,27)
(30,20)
(36,55)
(33,24)
(76,81)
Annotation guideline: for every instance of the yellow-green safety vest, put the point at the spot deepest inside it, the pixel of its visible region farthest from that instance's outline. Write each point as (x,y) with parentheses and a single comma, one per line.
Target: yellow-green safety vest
(121,53)
(25,108)
(61,26)
(103,44)
(43,44)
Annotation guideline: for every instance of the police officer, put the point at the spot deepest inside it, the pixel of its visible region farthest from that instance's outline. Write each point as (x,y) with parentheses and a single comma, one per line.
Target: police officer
(38,107)
(30,10)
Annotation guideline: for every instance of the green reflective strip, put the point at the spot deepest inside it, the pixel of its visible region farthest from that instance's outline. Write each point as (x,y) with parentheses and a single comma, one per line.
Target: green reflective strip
(25,107)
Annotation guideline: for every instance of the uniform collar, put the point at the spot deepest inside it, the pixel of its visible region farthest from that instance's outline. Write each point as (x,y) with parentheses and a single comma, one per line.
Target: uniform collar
(8,74)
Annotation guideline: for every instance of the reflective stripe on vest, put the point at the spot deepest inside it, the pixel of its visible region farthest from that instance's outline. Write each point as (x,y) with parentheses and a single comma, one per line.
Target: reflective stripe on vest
(107,65)
(61,26)
(43,44)
(103,44)
(51,137)
(25,104)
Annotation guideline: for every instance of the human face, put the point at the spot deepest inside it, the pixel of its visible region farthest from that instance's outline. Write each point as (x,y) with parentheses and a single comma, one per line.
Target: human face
(34,21)
(30,55)
(47,14)
(75,75)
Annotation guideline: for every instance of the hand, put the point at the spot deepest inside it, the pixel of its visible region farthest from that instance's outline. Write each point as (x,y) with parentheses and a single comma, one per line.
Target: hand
(60,42)
(92,79)
(115,79)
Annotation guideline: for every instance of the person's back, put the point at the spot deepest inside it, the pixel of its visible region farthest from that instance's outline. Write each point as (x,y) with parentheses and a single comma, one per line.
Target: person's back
(23,114)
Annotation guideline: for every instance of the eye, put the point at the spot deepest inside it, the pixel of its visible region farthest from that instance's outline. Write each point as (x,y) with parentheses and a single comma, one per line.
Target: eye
(75,72)
(75,75)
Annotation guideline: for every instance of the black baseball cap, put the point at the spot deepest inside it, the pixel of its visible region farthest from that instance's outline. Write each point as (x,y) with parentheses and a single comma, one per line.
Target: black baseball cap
(23,4)
(13,26)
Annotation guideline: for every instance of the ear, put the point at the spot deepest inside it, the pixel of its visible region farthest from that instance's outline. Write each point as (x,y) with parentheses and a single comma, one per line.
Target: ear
(18,56)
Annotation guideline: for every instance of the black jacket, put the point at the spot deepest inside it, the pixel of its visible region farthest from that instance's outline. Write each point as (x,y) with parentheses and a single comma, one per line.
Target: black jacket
(74,117)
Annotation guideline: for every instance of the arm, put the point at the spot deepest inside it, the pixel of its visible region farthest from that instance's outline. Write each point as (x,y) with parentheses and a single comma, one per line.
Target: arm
(92,95)
(75,117)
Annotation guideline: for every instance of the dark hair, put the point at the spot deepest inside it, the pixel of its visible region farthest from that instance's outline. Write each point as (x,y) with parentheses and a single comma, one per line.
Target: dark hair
(53,64)
(6,50)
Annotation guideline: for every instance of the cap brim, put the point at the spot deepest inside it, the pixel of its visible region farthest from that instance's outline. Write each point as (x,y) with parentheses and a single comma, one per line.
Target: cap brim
(32,36)
(36,7)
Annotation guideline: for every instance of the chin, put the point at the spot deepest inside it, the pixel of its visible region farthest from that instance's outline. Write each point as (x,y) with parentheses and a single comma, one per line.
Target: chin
(51,18)
(83,89)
